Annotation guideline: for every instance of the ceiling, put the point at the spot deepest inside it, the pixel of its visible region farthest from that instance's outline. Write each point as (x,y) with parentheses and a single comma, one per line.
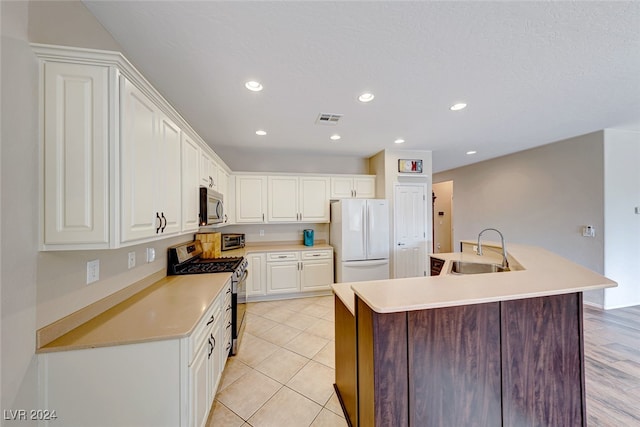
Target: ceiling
(531,72)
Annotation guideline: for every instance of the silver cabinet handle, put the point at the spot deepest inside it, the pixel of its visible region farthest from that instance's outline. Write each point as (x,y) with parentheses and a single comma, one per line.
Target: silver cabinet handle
(401,244)
(262,217)
(282,256)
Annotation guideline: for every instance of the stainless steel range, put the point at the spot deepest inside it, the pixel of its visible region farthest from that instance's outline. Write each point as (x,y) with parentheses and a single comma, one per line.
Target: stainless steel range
(186,259)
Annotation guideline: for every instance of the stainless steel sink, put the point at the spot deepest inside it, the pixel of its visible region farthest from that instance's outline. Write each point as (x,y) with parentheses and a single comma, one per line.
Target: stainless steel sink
(462,267)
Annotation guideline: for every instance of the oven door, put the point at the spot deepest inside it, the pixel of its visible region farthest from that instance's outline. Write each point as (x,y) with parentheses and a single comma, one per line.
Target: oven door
(238,310)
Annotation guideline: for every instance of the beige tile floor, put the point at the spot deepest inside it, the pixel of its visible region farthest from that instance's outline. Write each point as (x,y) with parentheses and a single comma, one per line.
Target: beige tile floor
(284,371)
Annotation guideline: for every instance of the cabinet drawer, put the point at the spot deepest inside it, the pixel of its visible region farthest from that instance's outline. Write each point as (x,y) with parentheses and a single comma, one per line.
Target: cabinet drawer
(323,254)
(282,256)
(202,331)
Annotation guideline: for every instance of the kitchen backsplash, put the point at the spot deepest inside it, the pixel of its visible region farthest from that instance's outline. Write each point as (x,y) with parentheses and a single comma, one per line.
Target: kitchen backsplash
(277,232)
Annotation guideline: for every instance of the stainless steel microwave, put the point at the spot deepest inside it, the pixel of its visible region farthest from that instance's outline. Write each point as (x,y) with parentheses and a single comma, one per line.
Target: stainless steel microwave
(211,207)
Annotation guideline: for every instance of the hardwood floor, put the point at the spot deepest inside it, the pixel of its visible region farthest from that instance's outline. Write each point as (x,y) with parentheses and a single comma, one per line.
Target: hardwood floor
(612,360)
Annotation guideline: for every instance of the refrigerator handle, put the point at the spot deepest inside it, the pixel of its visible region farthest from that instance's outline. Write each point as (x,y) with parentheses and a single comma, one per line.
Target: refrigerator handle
(367,218)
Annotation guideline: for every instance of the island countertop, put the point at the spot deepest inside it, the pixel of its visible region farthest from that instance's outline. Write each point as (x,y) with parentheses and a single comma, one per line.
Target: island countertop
(543,273)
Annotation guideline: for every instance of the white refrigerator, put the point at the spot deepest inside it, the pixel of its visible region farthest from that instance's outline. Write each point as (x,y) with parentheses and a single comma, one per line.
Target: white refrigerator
(359,234)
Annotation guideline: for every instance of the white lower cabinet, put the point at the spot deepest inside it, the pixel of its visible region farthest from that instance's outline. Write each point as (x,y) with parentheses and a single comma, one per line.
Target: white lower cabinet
(299,271)
(152,384)
(257,278)
(316,273)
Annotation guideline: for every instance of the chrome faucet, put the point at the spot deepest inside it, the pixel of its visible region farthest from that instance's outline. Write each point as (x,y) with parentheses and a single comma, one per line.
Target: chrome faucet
(505,263)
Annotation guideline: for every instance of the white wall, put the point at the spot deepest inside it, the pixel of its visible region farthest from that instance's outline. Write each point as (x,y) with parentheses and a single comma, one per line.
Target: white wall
(541,197)
(442,224)
(19,211)
(622,223)
(243,160)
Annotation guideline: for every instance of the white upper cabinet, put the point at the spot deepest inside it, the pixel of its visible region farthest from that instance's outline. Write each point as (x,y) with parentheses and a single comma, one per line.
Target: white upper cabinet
(356,186)
(298,199)
(114,165)
(251,199)
(283,199)
(139,120)
(190,160)
(75,208)
(313,201)
(150,168)
(208,171)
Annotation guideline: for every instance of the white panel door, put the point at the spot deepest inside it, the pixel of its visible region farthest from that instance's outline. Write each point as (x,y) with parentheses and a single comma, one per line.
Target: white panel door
(353,230)
(257,278)
(138,163)
(283,199)
(76,154)
(316,275)
(364,187)
(251,198)
(167,182)
(313,201)
(190,184)
(410,225)
(377,213)
(283,277)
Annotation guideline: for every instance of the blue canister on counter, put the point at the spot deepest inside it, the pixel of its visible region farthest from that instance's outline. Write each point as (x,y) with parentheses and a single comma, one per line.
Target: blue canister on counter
(308,237)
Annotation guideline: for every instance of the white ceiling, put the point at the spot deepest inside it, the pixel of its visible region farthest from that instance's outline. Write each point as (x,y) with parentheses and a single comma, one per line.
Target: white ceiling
(531,72)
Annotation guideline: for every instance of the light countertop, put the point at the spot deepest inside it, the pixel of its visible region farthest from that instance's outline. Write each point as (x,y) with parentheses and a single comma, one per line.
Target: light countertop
(170,308)
(543,273)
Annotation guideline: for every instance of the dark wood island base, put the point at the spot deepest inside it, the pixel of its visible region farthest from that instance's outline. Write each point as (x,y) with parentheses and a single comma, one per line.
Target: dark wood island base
(505,363)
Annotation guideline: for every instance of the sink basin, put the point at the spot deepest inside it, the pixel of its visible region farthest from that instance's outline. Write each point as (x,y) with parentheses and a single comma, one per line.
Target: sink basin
(462,267)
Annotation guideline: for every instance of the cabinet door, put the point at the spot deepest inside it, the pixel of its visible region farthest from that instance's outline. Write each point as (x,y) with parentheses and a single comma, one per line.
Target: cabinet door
(364,187)
(251,195)
(341,187)
(283,277)
(208,171)
(190,184)
(198,392)
(76,154)
(316,275)
(257,278)
(167,182)
(223,184)
(314,199)
(138,163)
(283,199)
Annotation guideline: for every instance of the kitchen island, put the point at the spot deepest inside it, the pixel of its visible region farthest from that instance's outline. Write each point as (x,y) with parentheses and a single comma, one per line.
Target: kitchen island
(475,350)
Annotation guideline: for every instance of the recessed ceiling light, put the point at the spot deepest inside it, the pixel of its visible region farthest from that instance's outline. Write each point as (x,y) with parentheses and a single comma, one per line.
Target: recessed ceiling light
(366,97)
(261,132)
(458,107)
(253,86)
(334,137)
(399,141)
(471,152)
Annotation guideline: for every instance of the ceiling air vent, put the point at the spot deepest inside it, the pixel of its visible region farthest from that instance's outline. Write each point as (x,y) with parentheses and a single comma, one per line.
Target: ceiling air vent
(328,119)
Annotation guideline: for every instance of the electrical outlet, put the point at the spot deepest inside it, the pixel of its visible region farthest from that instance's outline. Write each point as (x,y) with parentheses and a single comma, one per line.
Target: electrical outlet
(132,259)
(261,233)
(93,271)
(151,254)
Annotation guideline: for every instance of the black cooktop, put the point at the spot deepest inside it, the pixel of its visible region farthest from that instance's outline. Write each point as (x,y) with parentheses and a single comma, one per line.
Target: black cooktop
(215,265)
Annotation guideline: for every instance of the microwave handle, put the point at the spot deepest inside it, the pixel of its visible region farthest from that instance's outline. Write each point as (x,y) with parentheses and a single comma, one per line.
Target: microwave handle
(219,210)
